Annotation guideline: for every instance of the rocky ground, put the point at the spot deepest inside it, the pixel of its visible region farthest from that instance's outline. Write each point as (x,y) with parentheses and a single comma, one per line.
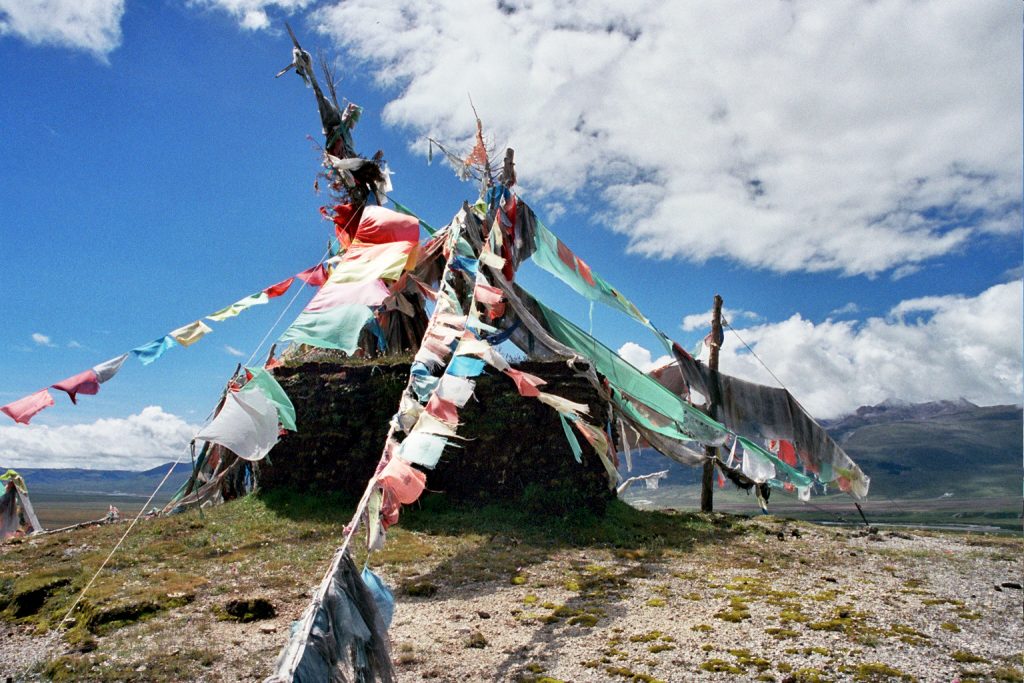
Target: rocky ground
(670,598)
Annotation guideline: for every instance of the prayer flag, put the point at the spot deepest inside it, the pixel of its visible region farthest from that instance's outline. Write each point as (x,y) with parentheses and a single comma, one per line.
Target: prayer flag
(107,369)
(187,335)
(24,409)
(85,382)
(279,289)
(147,353)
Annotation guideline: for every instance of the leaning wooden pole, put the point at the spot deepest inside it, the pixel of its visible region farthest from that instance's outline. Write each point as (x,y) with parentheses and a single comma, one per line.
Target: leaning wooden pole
(708,479)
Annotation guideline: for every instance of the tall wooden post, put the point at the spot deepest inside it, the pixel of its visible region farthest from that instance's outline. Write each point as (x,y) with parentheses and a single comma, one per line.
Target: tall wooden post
(708,479)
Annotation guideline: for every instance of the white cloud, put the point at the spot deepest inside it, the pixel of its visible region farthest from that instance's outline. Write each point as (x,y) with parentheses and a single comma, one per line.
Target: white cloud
(940,347)
(793,136)
(136,442)
(232,351)
(91,25)
(41,339)
(252,14)
(702,321)
(640,358)
(845,309)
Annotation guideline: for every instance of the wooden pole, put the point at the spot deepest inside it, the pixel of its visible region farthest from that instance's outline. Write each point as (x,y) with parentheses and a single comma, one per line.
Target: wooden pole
(708,479)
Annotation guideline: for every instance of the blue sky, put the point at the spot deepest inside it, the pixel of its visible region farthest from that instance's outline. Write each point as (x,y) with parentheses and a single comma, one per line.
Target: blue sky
(847,178)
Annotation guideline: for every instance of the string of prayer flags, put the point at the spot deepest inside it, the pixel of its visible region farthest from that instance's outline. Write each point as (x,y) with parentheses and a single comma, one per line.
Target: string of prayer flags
(24,409)
(187,335)
(147,353)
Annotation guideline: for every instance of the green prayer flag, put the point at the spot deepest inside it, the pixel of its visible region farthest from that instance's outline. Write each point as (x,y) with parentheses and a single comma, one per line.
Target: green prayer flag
(265,382)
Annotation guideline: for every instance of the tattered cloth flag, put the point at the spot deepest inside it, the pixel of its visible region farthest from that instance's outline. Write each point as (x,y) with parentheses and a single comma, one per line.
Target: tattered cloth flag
(147,353)
(86,382)
(279,289)
(342,635)
(264,382)
(315,276)
(334,328)
(24,409)
(187,335)
(239,306)
(107,369)
(245,425)
(15,495)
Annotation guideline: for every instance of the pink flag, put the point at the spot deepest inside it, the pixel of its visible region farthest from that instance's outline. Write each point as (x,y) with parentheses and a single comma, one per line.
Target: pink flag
(405,482)
(443,410)
(86,382)
(24,409)
(315,276)
(525,382)
(487,294)
(369,293)
(379,225)
(279,289)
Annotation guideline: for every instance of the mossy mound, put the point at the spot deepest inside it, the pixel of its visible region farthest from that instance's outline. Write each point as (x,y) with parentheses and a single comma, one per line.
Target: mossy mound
(511,447)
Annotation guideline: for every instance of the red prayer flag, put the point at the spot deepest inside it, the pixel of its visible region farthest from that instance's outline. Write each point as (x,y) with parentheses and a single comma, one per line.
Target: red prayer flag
(85,382)
(403,480)
(24,409)
(315,276)
(584,271)
(378,225)
(280,288)
(525,382)
(443,410)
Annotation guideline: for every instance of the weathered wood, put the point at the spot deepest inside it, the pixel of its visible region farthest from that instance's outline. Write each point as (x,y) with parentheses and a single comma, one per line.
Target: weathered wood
(708,479)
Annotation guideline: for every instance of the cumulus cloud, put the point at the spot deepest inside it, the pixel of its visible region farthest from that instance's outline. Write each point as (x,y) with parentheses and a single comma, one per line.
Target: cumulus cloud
(930,348)
(136,442)
(91,25)
(702,321)
(793,136)
(41,339)
(252,14)
(640,358)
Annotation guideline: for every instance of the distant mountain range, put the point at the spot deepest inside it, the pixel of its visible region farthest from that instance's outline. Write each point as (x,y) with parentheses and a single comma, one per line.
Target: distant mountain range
(103,482)
(923,450)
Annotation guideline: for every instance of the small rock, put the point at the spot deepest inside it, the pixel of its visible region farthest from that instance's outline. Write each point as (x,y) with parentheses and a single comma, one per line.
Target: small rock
(795,533)
(831,579)
(998,589)
(1011,584)
(483,615)
(268,628)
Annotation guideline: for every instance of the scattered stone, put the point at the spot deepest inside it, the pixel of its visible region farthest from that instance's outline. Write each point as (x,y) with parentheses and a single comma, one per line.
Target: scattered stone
(253,609)
(1011,584)
(268,628)
(483,615)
